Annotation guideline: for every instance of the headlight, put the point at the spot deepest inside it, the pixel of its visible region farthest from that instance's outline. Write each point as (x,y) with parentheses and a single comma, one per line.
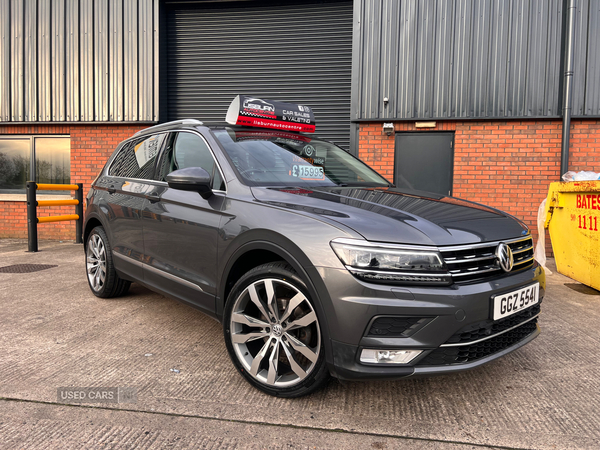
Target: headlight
(395,264)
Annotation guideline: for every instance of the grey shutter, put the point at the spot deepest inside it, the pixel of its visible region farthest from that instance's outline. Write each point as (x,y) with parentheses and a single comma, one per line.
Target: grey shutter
(299,53)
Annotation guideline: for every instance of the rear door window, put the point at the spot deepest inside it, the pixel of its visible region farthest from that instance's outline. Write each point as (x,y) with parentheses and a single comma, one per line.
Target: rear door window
(137,158)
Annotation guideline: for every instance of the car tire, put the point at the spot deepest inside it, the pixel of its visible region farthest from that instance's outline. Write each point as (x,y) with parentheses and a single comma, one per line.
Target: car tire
(279,350)
(101,274)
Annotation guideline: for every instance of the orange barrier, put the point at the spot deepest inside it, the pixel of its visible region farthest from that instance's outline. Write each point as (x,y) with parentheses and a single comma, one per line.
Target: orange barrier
(58,218)
(57,202)
(33,204)
(57,187)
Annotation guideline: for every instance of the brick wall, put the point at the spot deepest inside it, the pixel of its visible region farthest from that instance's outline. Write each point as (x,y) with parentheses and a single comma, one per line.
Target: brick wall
(585,145)
(91,145)
(13,221)
(508,165)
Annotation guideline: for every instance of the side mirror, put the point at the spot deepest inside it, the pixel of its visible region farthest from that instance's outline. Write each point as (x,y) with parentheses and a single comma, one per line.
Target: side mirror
(191,179)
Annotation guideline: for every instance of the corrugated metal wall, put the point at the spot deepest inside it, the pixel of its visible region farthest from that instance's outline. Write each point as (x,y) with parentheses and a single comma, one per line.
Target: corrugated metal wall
(436,59)
(298,51)
(586,76)
(78,60)
(97,60)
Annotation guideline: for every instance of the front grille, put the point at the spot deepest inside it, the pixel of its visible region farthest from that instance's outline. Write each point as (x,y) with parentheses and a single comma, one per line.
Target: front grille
(395,326)
(475,262)
(488,327)
(444,356)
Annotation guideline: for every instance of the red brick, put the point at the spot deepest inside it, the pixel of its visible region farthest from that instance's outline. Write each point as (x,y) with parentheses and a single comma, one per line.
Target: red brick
(84,168)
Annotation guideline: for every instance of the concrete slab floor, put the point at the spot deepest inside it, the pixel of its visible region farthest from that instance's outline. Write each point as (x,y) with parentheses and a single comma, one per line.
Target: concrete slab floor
(54,332)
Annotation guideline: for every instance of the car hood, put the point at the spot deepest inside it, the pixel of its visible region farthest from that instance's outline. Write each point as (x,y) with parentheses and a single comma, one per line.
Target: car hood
(398,216)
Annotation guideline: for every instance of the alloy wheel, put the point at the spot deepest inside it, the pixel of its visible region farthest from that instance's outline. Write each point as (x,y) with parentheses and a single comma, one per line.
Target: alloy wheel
(275,333)
(96,262)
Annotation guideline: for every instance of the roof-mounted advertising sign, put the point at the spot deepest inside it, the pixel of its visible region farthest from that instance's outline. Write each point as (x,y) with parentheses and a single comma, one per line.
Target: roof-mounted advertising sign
(238,135)
(257,112)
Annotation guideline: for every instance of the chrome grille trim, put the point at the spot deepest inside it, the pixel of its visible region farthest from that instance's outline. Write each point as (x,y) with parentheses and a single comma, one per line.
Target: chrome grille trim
(457,261)
(474,272)
(459,248)
(460,344)
(516,252)
(524,261)
(467,263)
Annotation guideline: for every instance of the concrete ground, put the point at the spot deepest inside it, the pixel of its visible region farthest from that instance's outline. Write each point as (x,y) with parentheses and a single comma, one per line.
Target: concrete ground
(55,333)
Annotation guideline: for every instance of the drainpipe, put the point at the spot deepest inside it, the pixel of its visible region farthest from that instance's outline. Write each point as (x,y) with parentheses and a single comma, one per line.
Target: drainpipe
(568,86)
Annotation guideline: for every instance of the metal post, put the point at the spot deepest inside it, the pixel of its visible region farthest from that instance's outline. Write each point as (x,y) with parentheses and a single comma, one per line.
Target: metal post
(79,212)
(568,86)
(32,216)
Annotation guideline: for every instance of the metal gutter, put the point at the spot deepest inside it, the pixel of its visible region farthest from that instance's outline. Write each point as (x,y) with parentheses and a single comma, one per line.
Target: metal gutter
(568,87)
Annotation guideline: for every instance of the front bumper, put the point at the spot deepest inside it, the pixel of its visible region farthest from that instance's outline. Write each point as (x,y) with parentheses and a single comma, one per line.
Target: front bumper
(436,316)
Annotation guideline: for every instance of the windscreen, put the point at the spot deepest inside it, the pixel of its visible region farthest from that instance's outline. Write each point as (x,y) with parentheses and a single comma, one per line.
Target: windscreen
(264,158)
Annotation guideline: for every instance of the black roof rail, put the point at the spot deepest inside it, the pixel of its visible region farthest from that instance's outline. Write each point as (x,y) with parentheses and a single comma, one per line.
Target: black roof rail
(167,125)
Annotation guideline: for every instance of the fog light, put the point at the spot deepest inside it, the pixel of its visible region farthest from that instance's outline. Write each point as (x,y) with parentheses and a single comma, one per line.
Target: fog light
(372,356)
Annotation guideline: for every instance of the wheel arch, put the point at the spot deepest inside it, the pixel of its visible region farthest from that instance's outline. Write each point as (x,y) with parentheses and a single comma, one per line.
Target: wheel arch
(253,253)
(276,248)
(249,259)
(91,222)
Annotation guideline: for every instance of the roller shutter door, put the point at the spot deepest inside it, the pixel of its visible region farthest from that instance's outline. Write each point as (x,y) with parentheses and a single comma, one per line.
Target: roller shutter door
(289,52)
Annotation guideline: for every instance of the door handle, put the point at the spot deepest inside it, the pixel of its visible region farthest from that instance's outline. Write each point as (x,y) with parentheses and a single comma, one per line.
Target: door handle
(153,198)
(111,190)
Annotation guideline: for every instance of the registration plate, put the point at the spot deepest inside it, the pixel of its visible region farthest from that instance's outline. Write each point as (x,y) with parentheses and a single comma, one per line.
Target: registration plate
(508,304)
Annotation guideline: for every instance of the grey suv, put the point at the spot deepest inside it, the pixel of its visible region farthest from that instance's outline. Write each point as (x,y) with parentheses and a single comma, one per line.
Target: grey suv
(313,262)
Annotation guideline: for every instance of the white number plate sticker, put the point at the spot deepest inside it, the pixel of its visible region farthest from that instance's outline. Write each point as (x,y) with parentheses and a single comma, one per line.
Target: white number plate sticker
(308,172)
(508,304)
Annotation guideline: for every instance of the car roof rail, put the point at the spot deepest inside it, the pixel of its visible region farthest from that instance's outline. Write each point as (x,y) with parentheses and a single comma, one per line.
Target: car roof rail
(167,125)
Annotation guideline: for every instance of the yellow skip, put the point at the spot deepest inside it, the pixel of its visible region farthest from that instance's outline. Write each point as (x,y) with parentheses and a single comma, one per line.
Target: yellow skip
(573,220)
